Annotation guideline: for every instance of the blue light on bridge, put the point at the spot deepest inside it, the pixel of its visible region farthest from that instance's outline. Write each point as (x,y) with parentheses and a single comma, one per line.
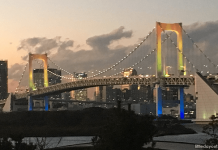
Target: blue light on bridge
(46,103)
(159,102)
(30,102)
(182,116)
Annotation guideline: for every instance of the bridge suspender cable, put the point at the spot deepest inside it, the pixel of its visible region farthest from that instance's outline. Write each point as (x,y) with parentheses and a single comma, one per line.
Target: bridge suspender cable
(57,74)
(16,91)
(216,66)
(124,57)
(108,69)
(60,67)
(168,36)
(145,56)
(138,61)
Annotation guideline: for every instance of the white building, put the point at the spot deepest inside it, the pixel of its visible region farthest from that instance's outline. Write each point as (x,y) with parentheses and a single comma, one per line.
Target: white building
(207,99)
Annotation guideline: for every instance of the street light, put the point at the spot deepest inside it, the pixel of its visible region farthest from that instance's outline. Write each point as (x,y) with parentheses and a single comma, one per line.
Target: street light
(167,71)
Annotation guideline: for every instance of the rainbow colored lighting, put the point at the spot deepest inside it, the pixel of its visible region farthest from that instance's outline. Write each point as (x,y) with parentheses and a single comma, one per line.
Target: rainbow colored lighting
(176,27)
(42,57)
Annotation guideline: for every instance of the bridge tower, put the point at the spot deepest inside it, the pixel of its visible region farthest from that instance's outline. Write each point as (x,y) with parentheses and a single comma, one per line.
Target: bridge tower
(161,69)
(42,57)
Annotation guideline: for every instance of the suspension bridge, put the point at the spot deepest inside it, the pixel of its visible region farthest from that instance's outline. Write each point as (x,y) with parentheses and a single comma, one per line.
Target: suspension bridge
(160,60)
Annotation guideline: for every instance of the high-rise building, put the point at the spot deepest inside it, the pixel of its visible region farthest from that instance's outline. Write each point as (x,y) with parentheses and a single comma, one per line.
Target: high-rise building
(80,94)
(38,78)
(145,94)
(113,94)
(170,93)
(3,79)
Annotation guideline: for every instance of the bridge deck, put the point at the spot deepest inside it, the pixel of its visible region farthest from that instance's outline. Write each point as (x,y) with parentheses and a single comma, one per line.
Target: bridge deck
(92,82)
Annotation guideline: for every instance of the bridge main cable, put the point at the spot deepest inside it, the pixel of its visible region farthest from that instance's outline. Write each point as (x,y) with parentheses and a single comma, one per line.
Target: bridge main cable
(216,66)
(164,40)
(125,57)
(17,88)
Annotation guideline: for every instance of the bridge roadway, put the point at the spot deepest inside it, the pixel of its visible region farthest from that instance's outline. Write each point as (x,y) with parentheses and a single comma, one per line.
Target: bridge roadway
(103,81)
(90,102)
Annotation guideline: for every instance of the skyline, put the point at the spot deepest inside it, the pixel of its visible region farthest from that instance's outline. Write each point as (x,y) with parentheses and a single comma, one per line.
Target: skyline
(88,27)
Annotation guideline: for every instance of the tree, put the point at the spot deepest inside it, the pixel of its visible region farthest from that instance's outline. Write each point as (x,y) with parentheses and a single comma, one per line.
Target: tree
(5,144)
(20,145)
(211,129)
(124,130)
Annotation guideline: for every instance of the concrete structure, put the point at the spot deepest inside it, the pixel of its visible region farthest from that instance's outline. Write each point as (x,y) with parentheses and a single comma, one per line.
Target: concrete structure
(7,104)
(206,99)
(42,57)
(161,67)
(176,27)
(117,80)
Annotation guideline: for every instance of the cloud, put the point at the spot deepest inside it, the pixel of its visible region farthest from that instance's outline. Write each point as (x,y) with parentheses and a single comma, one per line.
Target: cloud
(61,52)
(65,44)
(101,56)
(205,35)
(41,45)
(101,43)
(15,71)
(98,56)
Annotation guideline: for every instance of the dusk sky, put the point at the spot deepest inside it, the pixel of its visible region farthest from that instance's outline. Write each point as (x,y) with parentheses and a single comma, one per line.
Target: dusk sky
(81,27)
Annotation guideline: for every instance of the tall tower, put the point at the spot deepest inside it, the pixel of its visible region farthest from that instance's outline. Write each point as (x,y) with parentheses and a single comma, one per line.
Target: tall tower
(161,69)
(42,57)
(176,27)
(3,79)
(80,94)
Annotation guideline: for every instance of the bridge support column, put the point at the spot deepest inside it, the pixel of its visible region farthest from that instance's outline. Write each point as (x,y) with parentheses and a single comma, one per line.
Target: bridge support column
(181,91)
(30,103)
(158,100)
(46,103)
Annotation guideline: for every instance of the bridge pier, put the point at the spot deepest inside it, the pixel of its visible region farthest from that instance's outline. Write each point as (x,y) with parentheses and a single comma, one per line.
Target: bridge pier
(158,100)
(46,103)
(181,91)
(30,103)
